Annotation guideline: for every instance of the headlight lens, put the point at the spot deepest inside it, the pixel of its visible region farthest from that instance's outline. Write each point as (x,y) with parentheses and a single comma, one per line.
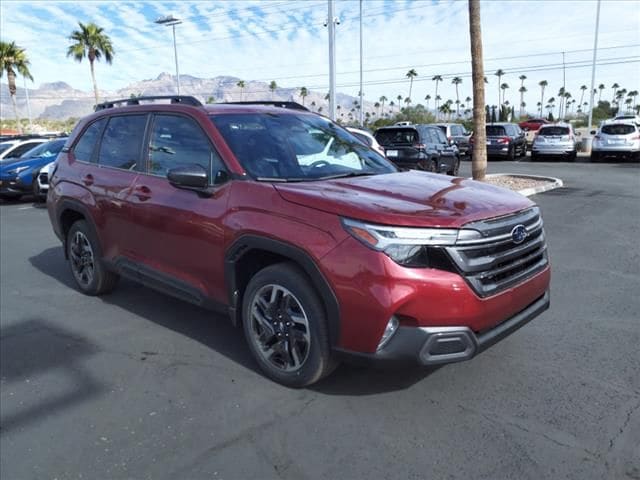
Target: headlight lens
(407,246)
(16,171)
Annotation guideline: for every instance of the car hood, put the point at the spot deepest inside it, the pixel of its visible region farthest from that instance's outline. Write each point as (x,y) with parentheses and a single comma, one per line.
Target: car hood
(28,162)
(410,198)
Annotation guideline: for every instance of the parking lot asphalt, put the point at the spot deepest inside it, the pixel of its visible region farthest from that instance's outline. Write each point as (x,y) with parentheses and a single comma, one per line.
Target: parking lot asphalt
(140,385)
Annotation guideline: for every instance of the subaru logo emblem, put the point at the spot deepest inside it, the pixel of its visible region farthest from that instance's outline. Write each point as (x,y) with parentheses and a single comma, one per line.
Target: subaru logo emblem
(518,234)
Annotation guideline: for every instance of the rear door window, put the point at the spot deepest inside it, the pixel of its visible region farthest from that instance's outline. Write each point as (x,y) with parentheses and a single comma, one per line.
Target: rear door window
(397,136)
(84,147)
(620,129)
(121,143)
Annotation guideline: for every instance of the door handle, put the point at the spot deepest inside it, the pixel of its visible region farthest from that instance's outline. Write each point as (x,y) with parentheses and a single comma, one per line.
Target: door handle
(142,192)
(87,179)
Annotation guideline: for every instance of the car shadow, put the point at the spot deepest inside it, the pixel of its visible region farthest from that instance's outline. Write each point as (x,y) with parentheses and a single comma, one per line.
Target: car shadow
(216,332)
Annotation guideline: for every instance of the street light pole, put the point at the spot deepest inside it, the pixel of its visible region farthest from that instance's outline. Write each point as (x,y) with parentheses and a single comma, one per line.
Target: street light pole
(593,66)
(331,24)
(361,92)
(171,21)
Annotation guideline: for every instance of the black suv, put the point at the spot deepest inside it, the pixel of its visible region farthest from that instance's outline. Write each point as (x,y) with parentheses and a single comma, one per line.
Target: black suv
(506,140)
(419,147)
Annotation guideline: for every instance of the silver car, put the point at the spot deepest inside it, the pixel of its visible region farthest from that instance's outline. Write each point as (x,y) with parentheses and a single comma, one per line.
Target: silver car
(558,140)
(616,139)
(456,135)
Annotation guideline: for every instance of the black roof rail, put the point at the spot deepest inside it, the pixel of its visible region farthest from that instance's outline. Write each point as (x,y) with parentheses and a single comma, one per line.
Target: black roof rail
(181,99)
(289,105)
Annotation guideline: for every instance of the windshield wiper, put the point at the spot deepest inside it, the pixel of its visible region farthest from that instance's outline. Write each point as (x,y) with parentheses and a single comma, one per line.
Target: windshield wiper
(282,179)
(347,175)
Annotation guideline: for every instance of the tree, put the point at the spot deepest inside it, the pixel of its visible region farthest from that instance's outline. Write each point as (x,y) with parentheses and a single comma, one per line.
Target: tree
(437,79)
(615,87)
(91,42)
(584,88)
(561,93)
(377,107)
(410,74)
(504,88)
(499,73)
(522,91)
(273,86)
(427,98)
(313,104)
(241,84)
(304,93)
(551,103)
(466,103)
(633,94)
(14,59)
(210,100)
(479,155)
(543,84)
(457,81)
(382,100)
(391,104)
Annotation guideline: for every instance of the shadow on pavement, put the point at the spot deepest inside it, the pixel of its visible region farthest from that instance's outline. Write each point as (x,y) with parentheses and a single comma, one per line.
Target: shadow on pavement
(27,350)
(216,332)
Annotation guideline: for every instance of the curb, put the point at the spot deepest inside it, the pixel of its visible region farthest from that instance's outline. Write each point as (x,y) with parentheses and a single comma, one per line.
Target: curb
(527,192)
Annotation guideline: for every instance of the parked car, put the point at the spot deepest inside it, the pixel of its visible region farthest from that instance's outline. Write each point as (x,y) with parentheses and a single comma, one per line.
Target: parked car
(367,138)
(533,124)
(505,140)
(456,134)
(18,176)
(419,147)
(41,185)
(318,263)
(628,118)
(558,140)
(616,140)
(13,149)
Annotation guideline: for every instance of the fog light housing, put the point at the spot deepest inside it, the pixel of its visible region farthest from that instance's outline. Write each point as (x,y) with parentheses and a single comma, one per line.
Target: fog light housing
(392,327)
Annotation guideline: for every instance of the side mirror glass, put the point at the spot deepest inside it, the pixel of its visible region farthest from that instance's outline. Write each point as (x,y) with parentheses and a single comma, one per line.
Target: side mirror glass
(190,177)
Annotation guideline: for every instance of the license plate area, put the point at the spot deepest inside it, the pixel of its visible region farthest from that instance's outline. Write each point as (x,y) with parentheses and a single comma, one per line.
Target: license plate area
(392,153)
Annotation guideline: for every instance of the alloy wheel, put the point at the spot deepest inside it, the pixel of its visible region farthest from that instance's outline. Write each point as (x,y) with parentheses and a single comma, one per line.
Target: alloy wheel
(82,259)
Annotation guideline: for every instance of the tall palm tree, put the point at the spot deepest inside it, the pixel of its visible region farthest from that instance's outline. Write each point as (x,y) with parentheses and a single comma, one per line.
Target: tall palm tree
(600,88)
(273,86)
(567,99)
(479,154)
(91,42)
(14,59)
(427,98)
(504,88)
(382,100)
(584,88)
(304,93)
(615,87)
(522,91)
(543,84)
(466,102)
(499,73)
(410,74)
(552,102)
(633,94)
(391,104)
(399,98)
(457,81)
(377,107)
(561,93)
(241,84)
(437,79)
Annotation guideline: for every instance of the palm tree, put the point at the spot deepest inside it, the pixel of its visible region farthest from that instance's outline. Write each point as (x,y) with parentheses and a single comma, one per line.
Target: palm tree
(600,88)
(241,84)
(561,93)
(552,102)
(584,88)
(303,93)
(479,154)
(399,98)
(466,102)
(273,87)
(437,79)
(615,87)
(391,104)
(377,107)
(504,88)
(313,104)
(633,94)
(499,73)
(407,101)
(410,74)
(91,42)
(457,81)
(567,97)
(543,84)
(12,59)
(382,100)
(522,89)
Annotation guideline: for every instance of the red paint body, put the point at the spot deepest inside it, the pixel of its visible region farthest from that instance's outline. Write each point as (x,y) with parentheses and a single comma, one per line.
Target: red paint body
(143,218)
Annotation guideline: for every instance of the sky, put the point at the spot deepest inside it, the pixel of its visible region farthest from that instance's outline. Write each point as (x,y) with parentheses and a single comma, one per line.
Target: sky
(286,41)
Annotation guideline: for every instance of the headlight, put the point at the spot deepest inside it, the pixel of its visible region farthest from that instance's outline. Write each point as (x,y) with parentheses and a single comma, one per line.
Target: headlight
(16,171)
(407,246)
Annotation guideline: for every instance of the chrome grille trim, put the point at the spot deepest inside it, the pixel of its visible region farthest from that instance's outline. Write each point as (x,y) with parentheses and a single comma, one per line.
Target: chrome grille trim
(494,263)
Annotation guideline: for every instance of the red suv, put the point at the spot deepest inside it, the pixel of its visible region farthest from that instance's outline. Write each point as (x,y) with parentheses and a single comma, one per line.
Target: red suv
(312,242)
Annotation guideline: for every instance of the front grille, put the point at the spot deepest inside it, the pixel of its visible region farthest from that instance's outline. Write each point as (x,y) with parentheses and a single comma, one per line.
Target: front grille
(44,178)
(495,262)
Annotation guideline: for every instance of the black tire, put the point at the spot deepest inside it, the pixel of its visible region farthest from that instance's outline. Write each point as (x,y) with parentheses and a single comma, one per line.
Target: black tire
(573,156)
(85,261)
(511,155)
(432,166)
(38,196)
(456,168)
(595,156)
(287,335)
(534,156)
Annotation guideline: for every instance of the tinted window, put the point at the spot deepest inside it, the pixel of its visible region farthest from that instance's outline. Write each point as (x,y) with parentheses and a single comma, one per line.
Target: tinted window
(550,131)
(363,138)
(47,149)
(84,147)
(620,129)
(178,141)
(456,130)
(296,147)
(121,142)
(396,136)
(495,131)
(440,136)
(443,128)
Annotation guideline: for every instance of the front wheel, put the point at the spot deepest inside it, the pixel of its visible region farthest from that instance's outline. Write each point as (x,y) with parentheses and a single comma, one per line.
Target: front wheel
(88,269)
(456,167)
(285,326)
(38,195)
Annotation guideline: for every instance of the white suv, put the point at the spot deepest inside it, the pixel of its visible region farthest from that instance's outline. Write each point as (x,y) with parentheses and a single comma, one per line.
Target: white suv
(616,139)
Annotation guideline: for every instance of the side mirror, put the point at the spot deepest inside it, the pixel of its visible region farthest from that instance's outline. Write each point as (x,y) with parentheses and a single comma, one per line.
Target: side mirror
(189,177)
(593,132)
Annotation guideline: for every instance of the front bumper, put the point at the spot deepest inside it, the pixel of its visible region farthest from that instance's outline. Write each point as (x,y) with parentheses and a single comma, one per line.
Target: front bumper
(500,150)
(440,345)
(12,186)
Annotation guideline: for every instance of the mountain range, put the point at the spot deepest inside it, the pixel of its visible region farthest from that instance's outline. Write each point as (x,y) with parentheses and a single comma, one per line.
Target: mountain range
(59,101)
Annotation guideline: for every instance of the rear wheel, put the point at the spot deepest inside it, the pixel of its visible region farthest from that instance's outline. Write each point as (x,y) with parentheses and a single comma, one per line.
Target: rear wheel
(573,156)
(456,167)
(87,267)
(511,156)
(595,156)
(285,326)
(534,156)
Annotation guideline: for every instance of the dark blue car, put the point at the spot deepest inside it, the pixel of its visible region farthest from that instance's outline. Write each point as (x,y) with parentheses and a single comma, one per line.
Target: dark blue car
(17,176)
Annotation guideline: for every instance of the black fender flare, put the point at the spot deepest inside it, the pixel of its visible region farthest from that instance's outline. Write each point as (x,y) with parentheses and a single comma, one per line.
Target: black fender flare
(78,207)
(247,243)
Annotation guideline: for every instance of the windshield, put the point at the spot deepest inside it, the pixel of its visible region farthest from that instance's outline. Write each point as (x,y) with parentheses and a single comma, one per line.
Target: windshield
(621,129)
(553,131)
(495,131)
(47,149)
(291,147)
